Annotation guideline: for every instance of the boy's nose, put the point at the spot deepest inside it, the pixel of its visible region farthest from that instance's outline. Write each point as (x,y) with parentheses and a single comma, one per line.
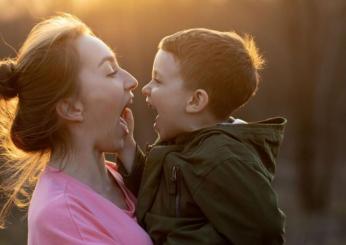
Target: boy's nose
(146,89)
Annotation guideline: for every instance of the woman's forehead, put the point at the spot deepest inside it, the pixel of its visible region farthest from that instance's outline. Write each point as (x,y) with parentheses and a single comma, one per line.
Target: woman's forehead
(93,51)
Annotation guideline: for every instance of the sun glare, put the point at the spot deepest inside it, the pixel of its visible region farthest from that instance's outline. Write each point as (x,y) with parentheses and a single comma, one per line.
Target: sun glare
(11,9)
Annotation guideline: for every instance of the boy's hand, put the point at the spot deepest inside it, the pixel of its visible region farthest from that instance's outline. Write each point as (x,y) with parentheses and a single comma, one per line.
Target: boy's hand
(127,154)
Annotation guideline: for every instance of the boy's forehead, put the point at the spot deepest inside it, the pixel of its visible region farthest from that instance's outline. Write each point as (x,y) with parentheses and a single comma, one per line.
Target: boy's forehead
(165,64)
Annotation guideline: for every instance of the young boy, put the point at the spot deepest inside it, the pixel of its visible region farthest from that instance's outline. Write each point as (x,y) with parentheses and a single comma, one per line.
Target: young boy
(207,179)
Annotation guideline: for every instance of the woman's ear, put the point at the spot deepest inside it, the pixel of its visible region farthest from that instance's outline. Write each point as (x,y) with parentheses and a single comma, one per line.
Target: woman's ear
(198,101)
(70,109)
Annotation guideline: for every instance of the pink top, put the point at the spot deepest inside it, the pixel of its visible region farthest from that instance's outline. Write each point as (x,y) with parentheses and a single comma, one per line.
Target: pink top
(65,211)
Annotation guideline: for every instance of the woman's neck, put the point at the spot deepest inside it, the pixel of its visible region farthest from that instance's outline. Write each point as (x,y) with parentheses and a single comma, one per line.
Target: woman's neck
(85,164)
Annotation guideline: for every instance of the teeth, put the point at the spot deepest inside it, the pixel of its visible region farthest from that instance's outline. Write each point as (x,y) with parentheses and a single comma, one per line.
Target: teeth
(123,124)
(122,120)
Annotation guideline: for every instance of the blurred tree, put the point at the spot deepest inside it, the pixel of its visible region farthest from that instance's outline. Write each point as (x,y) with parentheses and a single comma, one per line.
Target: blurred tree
(317,47)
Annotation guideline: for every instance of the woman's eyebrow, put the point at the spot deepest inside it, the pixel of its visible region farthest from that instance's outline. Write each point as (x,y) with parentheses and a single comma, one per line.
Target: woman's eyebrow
(107,58)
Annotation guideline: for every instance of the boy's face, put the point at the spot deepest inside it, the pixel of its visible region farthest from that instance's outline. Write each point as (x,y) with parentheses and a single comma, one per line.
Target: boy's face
(167,95)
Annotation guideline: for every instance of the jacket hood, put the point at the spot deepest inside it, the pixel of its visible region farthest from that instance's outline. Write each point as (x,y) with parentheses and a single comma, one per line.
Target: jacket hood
(263,138)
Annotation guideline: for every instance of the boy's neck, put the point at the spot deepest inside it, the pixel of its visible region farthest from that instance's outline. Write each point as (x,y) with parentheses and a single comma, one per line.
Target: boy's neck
(197,122)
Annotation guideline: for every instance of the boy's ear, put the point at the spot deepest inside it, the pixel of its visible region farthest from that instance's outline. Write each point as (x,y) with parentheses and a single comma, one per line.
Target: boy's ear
(198,101)
(70,109)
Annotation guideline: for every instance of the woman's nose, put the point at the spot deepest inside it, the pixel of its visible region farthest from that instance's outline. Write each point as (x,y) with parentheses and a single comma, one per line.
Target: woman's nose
(131,83)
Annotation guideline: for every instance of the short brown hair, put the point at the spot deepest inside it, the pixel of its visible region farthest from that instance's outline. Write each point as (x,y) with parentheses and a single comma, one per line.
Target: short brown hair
(44,72)
(223,63)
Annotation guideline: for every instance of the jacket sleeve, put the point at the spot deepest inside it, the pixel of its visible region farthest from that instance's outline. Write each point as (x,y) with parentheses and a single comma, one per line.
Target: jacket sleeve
(238,200)
(132,180)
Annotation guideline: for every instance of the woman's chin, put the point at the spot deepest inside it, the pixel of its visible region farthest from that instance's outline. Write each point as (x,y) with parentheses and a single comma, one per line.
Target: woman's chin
(117,146)
(113,147)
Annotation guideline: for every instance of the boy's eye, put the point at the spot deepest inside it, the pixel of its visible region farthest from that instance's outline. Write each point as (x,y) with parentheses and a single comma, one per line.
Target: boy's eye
(156,80)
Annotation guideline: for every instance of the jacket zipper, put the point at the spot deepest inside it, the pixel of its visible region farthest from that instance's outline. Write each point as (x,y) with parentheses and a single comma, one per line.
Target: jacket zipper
(175,179)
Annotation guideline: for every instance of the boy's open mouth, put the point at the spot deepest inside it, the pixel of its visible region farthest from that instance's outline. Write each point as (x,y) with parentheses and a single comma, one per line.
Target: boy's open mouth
(155,113)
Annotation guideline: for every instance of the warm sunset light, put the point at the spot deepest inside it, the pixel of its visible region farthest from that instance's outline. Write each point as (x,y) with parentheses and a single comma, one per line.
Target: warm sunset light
(238,107)
(10,9)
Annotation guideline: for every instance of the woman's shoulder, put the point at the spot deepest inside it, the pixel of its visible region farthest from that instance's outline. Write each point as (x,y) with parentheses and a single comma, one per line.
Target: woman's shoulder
(50,214)
(50,197)
(64,220)
(55,210)
(55,196)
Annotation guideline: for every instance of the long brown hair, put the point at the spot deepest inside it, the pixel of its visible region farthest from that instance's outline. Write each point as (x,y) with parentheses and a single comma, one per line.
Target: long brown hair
(44,72)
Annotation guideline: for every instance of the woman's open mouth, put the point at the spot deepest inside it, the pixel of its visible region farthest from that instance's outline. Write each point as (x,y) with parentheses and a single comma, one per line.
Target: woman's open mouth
(123,122)
(123,116)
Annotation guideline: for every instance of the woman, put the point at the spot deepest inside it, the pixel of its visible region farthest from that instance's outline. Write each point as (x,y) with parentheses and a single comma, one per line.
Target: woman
(70,107)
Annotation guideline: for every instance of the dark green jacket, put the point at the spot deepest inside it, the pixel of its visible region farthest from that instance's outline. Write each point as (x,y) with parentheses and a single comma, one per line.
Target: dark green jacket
(213,186)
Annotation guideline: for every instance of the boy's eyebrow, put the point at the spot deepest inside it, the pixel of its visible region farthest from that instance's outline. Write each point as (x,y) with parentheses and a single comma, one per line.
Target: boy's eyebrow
(156,74)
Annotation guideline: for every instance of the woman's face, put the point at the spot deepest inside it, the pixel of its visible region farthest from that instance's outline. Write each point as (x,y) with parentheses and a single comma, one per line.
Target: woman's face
(105,89)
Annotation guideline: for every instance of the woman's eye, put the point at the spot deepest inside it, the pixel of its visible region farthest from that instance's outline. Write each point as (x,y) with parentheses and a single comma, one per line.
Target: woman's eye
(112,74)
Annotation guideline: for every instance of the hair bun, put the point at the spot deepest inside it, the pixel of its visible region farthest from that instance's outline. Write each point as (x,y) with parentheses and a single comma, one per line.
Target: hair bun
(8,86)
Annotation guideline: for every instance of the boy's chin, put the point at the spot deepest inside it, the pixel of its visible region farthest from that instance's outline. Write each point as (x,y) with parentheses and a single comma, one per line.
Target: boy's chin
(165,137)
(161,136)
